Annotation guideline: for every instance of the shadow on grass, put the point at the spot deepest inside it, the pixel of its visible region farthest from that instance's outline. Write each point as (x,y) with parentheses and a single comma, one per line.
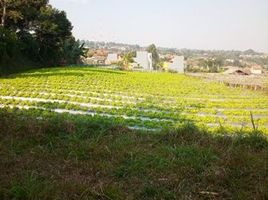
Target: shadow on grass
(68,71)
(58,156)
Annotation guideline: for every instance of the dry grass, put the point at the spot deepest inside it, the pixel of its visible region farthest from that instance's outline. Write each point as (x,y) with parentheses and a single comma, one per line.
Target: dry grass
(255,82)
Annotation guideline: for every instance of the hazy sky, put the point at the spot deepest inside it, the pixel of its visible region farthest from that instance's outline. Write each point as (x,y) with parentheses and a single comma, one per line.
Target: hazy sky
(198,24)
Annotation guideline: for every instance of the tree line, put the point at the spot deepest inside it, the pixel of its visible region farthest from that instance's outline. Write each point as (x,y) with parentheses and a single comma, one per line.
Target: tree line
(34,34)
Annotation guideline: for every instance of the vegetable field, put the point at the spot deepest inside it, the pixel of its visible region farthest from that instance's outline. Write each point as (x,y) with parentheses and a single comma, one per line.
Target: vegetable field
(138,100)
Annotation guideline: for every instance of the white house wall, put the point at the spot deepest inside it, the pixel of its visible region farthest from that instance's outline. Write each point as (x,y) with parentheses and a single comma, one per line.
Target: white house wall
(144,60)
(177,64)
(112,57)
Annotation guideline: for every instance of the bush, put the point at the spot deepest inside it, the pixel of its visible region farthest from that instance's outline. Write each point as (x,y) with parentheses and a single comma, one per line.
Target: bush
(8,47)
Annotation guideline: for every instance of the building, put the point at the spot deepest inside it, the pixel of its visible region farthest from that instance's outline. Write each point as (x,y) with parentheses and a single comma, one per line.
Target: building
(95,60)
(256,69)
(176,64)
(237,71)
(112,58)
(144,60)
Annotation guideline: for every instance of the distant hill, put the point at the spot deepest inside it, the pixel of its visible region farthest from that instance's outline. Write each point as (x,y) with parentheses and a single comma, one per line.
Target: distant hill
(110,45)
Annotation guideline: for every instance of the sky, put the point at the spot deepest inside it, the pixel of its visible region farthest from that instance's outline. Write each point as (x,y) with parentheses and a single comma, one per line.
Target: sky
(193,24)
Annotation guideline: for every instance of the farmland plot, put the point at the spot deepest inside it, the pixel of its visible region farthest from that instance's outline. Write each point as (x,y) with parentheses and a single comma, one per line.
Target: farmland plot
(150,101)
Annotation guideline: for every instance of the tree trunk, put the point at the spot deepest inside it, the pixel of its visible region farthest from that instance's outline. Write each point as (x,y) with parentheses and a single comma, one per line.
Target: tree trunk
(3,14)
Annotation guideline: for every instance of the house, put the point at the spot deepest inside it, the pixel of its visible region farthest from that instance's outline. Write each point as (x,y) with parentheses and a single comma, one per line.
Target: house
(176,64)
(230,60)
(95,60)
(112,58)
(143,60)
(237,71)
(256,69)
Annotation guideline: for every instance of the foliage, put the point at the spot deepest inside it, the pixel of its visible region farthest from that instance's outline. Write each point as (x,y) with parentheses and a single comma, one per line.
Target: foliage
(8,44)
(210,65)
(8,47)
(127,59)
(38,32)
(72,50)
(156,60)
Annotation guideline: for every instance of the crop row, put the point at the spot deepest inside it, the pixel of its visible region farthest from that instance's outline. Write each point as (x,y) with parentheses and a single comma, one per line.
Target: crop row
(150,100)
(133,113)
(149,103)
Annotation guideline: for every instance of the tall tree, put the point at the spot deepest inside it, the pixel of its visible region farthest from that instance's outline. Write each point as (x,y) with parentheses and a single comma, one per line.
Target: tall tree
(8,11)
(38,32)
(21,14)
(152,49)
(53,30)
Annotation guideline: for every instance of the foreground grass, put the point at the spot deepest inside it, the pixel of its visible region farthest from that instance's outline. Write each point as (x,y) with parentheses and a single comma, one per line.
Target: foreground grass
(58,158)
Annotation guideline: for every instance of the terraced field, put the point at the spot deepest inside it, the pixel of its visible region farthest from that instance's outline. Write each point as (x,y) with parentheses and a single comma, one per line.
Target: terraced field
(150,101)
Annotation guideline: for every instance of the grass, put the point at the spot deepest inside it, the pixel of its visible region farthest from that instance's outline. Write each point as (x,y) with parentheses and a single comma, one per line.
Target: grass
(59,157)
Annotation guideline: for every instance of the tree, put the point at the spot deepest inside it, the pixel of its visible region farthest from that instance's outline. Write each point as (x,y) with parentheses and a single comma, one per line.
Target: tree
(4,12)
(72,50)
(8,44)
(8,12)
(38,32)
(21,14)
(54,29)
(153,50)
(28,45)
(8,49)
(127,59)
